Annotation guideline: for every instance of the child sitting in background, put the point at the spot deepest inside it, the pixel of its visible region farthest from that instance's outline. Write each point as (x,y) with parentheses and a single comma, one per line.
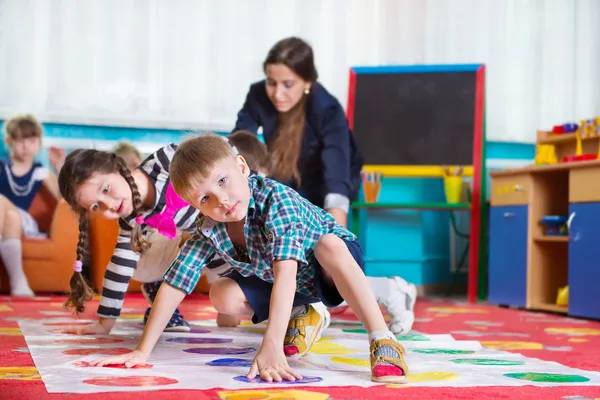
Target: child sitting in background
(287,255)
(128,152)
(21,178)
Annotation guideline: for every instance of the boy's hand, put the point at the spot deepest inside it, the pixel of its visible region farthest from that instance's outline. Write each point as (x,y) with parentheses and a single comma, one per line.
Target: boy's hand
(271,365)
(136,357)
(104,325)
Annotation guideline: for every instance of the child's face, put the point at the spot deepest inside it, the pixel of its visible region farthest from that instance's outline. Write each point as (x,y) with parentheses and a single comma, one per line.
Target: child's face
(224,195)
(107,195)
(25,149)
(132,160)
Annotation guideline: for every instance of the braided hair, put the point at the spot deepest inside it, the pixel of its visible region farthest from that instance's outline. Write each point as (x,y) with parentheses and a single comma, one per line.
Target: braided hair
(80,165)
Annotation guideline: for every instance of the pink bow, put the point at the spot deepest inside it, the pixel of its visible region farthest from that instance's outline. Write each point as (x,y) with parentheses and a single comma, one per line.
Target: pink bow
(164,221)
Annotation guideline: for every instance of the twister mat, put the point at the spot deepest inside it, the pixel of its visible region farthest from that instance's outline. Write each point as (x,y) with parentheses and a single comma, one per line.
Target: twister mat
(211,357)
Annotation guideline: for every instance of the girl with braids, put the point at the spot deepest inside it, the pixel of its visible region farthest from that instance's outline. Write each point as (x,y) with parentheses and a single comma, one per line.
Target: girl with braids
(313,150)
(99,182)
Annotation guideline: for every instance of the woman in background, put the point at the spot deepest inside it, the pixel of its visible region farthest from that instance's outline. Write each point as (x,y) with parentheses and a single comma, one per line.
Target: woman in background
(313,150)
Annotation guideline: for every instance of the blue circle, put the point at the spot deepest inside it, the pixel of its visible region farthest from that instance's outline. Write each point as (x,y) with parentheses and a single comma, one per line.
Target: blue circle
(230,362)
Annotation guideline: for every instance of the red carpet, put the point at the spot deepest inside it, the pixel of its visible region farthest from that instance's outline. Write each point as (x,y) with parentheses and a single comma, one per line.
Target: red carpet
(575,343)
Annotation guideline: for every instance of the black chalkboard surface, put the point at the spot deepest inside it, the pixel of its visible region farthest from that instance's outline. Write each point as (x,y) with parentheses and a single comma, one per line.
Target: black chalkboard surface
(414,115)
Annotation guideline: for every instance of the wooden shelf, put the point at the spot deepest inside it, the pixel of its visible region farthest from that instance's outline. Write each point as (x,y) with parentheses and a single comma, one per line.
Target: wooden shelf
(552,138)
(552,307)
(545,238)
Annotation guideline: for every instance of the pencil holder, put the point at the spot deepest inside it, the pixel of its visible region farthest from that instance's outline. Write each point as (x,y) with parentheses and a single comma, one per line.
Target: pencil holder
(453,188)
(371,185)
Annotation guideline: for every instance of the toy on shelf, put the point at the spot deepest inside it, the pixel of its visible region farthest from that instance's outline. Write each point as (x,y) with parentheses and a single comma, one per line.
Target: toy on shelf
(569,127)
(371,186)
(555,225)
(562,299)
(546,154)
(453,183)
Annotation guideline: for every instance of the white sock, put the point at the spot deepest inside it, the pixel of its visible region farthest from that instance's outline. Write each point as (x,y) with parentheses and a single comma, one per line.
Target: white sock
(383,334)
(12,258)
(298,311)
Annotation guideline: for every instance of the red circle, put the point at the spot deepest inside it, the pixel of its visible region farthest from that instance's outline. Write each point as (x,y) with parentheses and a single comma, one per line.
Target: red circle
(131,381)
(109,352)
(89,341)
(119,366)
(70,333)
(72,323)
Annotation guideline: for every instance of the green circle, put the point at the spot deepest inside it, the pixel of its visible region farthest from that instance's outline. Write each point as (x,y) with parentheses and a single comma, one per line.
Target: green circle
(541,377)
(354,330)
(486,361)
(414,338)
(442,351)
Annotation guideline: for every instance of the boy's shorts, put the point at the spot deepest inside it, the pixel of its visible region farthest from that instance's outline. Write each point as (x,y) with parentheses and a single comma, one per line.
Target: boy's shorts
(258,292)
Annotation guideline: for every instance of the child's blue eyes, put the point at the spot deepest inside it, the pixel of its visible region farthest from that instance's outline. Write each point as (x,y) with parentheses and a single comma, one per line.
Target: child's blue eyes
(222,181)
(106,189)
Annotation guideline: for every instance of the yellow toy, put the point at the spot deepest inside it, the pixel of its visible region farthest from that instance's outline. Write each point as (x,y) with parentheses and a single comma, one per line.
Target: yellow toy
(563,296)
(546,154)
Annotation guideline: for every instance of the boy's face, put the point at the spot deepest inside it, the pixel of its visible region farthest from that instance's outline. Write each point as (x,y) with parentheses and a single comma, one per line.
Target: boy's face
(24,149)
(224,195)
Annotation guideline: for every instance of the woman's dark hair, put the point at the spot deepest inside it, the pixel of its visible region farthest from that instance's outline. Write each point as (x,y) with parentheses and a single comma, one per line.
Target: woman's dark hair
(297,55)
(80,165)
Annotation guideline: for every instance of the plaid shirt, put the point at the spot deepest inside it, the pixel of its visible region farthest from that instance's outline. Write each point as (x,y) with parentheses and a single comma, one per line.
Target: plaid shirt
(280,225)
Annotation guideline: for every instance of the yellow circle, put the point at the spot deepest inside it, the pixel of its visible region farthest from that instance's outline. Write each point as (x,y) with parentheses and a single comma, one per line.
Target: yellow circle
(257,330)
(5,308)
(574,331)
(19,373)
(132,316)
(431,377)
(272,395)
(331,348)
(351,361)
(497,345)
(578,340)
(10,331)
(456,310)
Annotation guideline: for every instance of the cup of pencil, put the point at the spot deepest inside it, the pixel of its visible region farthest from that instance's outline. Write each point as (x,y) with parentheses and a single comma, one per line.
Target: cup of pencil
(453,184)
(371,182)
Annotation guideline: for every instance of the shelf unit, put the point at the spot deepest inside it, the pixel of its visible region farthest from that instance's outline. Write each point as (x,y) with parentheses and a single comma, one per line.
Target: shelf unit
(526,267)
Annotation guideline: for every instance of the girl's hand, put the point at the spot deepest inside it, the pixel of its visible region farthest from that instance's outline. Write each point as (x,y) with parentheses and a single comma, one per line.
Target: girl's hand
(271,365)
(136,357)
(56,156)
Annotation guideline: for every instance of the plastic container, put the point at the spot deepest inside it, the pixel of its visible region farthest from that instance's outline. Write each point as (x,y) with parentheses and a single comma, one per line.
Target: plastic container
(555,225)
(453,188)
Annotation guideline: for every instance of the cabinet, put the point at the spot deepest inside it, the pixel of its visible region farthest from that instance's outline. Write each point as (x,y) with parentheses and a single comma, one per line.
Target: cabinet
(584,260)
(508,255)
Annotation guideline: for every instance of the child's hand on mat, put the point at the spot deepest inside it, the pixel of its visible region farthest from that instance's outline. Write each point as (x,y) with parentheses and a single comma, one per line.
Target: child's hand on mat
(136,357)
(271,365)
(93,328)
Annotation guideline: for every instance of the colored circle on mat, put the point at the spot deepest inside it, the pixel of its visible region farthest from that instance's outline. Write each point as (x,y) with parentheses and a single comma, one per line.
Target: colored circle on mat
(541,377)
(431,377)
(357,362)
(230,362)
(504,345)
(327,347)
(70,333)
(131,381)
(272,395)
(574,331)
(108,351)
(92,341)
(442,351)
(19,373)
(413,338)
(199,330)
(220,350)
(10,331)
(199,340)
(486,361)
(5,308)
(71,323)
(457,310)
(305,379)
(86,364)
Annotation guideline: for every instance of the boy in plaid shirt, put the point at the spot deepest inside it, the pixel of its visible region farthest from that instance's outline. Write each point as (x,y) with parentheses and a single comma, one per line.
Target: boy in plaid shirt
(286,254)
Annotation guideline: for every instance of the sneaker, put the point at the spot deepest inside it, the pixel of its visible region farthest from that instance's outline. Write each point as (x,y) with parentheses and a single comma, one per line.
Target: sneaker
(303,331)
(175,324)
(401,305)
(150,290)
(387,362)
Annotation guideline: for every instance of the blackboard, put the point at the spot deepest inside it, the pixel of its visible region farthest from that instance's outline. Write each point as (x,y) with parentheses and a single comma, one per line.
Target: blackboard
(414,115)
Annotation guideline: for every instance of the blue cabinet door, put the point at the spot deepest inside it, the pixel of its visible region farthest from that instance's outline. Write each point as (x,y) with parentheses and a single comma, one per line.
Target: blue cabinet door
(507,276)
(584,260)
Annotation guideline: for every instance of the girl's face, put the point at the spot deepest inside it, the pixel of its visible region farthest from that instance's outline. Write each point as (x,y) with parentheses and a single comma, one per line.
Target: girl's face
(224,195)
(24,149)
(107,195)
(284,87)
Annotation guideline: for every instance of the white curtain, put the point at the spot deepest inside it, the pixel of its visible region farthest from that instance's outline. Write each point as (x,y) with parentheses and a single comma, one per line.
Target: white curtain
(188,63)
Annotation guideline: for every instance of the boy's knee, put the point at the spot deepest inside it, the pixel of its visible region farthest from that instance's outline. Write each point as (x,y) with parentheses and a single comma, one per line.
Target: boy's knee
(329,245)
(226,296)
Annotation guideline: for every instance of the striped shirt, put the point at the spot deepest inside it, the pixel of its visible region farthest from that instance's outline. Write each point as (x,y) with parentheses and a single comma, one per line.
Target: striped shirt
(280,225)
(124,260)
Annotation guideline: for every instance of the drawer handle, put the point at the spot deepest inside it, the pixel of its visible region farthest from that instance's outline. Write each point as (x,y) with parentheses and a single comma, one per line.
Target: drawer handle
(509,214)
(572,238)
(518,188)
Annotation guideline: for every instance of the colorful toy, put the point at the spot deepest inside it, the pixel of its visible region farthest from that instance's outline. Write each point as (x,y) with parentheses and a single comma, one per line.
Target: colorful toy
(555,225)
(562,299)
(569,127)
(546,154)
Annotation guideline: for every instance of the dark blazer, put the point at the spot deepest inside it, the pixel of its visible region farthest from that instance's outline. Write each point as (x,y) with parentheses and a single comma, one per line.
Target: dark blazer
(329,161)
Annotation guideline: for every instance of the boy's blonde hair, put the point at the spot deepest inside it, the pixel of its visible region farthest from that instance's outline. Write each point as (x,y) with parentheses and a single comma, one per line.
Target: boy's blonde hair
(253,150)
(194,159)
(22,126)
(124,147)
